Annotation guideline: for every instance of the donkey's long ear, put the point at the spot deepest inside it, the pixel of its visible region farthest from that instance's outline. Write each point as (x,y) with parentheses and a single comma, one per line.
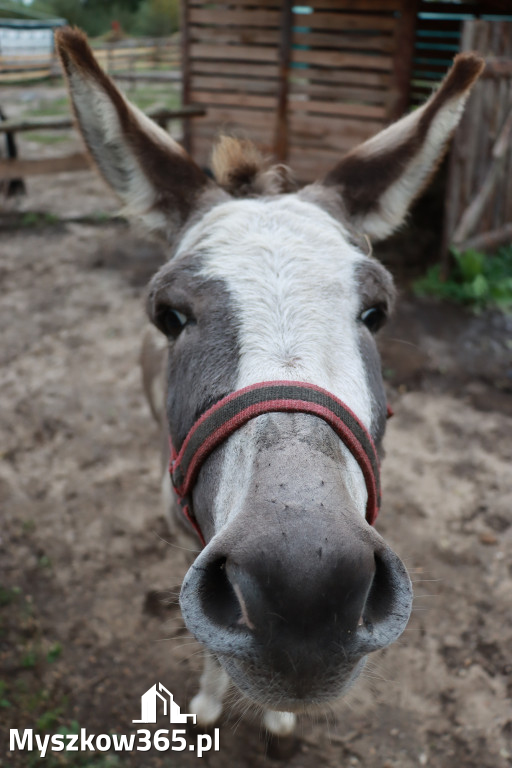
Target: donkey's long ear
(380,179)
(149,171)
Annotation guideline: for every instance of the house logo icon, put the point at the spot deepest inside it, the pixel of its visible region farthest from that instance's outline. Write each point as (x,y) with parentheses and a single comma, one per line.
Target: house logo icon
(149,706)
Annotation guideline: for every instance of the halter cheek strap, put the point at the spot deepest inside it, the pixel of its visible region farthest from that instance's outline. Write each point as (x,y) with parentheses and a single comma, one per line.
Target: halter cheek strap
(232,412)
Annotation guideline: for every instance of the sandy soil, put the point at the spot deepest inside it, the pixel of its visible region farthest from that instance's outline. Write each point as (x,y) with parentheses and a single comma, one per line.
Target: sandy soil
(89,574)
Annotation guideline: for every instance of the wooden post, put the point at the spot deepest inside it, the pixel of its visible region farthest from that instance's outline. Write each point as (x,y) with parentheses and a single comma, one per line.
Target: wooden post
(185,73)
(285,45)
(403,58)
(460,147)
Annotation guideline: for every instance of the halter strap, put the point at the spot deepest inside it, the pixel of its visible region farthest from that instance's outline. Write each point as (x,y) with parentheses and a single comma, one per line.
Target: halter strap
(236,409)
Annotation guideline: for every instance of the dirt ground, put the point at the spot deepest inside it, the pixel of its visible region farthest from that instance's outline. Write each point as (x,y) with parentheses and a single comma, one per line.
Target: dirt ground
(89,574)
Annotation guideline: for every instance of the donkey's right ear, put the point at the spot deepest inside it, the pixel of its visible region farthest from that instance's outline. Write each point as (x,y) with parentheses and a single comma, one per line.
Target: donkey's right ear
(149,171)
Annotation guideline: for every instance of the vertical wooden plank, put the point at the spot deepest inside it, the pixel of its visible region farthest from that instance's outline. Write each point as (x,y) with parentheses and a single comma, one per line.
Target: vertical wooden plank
(467,134)
(185,73)
(458,182)
(507,201)
(403,59)
(285,44)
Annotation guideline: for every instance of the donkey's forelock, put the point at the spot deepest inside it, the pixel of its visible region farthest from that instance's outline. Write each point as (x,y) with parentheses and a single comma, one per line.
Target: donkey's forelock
(241,169)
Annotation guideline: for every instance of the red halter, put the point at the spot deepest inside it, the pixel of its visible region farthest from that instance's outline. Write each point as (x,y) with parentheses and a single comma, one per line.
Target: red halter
(235,410)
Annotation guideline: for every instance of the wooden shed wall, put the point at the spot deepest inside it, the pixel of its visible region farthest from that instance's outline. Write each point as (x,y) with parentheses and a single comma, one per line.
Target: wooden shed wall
(231,66)
(305,83)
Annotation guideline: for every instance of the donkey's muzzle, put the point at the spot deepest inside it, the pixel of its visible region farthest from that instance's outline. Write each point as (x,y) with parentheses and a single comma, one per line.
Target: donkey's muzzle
(298,614)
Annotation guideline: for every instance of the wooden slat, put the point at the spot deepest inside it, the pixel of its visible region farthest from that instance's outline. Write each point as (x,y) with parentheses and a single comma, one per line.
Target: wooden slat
(337,142)
(333,108)
(28,56)
(233,85)
(222,18)
(383,43)
(340,59)
(233,52)
(321,127)
(29,74)
(158,114)
(36,124)
(249,70)
(345,77)
(16,169)
(344,21)
(22,62)
(13,65)
(331,156)
(335,92)
(234,99)
(240,36)
(219,116)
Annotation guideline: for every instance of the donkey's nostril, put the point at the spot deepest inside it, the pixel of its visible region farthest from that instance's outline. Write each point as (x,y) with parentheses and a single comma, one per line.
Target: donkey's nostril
(221,595)
(388,604)
(218,597)
(381,595)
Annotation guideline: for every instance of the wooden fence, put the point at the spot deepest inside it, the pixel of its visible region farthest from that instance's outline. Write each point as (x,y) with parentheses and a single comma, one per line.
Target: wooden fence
(305,82)
(17,168)
(138,55)
(479,193)
(134,56)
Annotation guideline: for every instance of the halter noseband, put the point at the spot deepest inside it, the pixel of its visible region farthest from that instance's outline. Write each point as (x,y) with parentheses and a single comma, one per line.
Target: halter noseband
(232,412)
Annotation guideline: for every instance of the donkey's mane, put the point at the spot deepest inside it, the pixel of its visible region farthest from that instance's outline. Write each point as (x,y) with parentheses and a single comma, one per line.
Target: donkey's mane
(241,169)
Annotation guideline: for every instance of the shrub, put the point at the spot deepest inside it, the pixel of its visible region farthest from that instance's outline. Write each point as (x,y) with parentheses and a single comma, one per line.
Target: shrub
(477,280)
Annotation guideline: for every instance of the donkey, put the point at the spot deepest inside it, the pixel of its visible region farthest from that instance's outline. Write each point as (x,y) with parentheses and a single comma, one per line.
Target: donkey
(270,302)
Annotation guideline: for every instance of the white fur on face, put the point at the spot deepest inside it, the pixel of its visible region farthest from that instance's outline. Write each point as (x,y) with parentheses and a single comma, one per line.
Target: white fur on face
(291,274)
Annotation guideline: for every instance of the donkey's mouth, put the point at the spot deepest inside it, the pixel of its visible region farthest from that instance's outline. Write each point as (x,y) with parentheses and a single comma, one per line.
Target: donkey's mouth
(299,693)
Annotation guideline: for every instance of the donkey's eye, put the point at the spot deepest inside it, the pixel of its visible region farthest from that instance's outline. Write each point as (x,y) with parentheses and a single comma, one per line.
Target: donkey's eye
(171,322)
(374,318)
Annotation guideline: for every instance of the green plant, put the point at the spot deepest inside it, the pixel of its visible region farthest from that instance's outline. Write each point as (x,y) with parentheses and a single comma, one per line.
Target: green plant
(477,280)
(48,719)
(54,653)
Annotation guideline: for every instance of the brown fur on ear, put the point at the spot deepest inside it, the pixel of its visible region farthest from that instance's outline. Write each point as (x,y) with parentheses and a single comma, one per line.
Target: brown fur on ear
(379,180)
(240,168)
(467,68)
(72,46)
(142,163)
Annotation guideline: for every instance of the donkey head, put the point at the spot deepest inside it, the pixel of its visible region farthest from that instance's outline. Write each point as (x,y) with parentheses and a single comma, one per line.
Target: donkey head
(266,282)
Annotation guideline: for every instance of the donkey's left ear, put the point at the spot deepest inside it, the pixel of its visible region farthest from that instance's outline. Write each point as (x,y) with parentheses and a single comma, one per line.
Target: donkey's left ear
(380,179)
(149,171)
